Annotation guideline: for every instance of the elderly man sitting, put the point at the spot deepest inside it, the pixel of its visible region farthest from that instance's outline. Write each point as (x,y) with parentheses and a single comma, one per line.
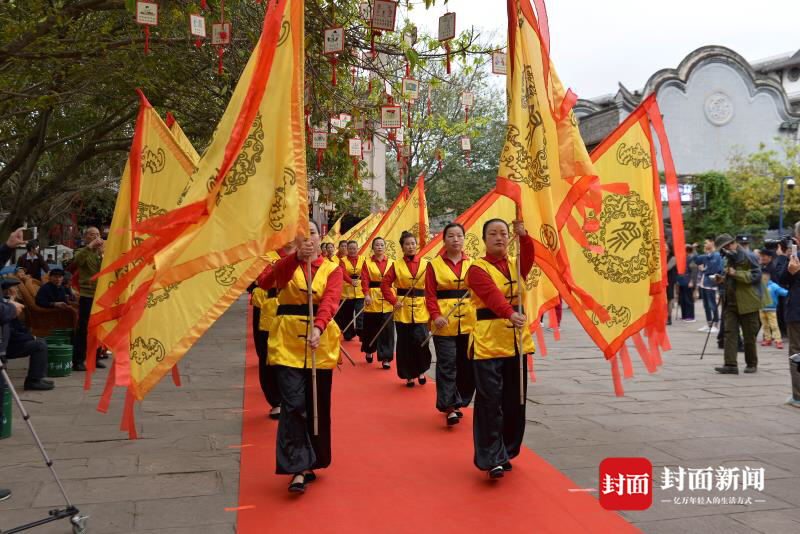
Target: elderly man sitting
(54,293)
(20,343)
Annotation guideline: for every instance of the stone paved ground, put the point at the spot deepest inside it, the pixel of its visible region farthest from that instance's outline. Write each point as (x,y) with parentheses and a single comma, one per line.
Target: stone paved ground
(182,473)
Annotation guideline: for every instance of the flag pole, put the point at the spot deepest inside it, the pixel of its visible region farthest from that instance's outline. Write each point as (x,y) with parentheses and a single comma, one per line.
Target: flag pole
(454,308)
(313,350)
(391,315)
(519,310)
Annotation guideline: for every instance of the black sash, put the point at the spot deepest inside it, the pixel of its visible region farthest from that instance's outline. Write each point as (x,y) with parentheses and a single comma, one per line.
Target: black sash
(450,293)
(402,292)
(485,314)
(374,284)
(272,293)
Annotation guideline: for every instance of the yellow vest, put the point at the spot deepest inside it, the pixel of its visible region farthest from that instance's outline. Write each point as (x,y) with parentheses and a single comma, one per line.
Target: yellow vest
(378,304)
(348,291)
(449,288)
(493,337)
(413,310)
(271,303)
(287,338)
(258,298)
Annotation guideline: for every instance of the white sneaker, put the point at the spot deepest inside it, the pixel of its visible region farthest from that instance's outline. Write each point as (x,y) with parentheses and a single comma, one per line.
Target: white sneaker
(704,329)
(714,329)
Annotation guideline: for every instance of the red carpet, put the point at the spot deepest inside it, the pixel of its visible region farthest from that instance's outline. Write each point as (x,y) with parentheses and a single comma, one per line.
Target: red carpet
(397,468)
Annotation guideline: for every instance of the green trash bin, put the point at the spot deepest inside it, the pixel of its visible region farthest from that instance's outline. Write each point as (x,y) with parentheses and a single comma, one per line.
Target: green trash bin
(59,337)
(59,360)
(5,419)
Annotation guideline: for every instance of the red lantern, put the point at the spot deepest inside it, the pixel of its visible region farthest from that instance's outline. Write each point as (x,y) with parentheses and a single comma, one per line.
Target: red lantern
(146,15)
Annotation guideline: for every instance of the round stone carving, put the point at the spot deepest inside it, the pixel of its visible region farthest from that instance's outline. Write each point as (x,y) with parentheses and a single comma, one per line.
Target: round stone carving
(719,109)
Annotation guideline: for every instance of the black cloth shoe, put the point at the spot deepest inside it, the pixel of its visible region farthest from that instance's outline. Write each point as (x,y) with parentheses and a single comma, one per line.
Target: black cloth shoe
(496,472)
(386,365)
(369,358)
(507,466)
(309,477)
(38,384)
(275,413)
(750,369)
(4,494)
(452,419)
(727,370)
(422,380)
(298,487)
(79,366)
(409,383)
(458,413)
(100,365)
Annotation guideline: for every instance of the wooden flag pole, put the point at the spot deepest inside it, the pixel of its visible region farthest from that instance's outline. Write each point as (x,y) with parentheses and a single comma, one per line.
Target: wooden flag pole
(391,315)
(313,350)
(519,310)
(458,303)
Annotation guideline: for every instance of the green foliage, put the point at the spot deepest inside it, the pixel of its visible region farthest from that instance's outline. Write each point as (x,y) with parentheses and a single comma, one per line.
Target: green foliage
(712,213)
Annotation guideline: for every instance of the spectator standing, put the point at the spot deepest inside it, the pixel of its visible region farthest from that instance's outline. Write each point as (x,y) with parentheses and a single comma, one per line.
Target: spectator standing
(709,264)
(672,278)
(777,265)
(768,315)
(743,294)
(33,262)
(790,279)
(686,284)
(87,262)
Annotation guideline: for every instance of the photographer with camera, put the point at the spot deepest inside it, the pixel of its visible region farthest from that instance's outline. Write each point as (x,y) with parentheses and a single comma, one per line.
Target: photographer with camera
(709,264)
(741,279)
(87,261)
(789,278)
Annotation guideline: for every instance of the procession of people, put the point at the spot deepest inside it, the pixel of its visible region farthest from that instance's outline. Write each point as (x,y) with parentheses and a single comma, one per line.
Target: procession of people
(469,308)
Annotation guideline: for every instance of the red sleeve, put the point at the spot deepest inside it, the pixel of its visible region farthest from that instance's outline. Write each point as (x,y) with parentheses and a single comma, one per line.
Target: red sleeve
(365,279)
(330,299)
(431,302)
(280,274)
(386,286)
(484,287)
(527,254)
(261,279)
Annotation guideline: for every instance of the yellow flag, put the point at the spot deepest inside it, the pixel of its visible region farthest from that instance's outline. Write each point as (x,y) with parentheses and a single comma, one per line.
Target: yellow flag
(334,232)
(624,267)
(361,231)
(411,217)
(247,197)
(544,166)
(388,219)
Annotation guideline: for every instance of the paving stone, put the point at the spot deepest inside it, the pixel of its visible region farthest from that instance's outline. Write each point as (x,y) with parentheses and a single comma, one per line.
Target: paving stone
(777,522)
(713,447)
(714,524)
(184,512)
(111,518)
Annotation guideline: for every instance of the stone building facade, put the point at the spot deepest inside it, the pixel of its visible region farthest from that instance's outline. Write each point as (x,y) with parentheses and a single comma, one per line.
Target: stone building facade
(714,104)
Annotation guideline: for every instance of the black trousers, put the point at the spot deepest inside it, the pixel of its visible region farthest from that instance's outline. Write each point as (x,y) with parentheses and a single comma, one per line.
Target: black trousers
(82,331)
(412,359)
(499,418)
(36,349)
(267,376)
(345,317)
(384,345)
(750,325)
(455,380)
(686,301)
(297,448)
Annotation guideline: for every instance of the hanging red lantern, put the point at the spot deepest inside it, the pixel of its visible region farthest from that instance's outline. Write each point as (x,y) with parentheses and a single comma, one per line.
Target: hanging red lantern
(466,146)
(384,13)
(334,44)
(146,15)
(447,31)
(197,27)
(468,101)
(319,142)
(355,152)
(220,37)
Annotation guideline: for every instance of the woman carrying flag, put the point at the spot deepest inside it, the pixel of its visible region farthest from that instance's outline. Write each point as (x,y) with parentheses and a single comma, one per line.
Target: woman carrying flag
(494,346)
(291,342)
(452,317)
(410,314)
(376,308)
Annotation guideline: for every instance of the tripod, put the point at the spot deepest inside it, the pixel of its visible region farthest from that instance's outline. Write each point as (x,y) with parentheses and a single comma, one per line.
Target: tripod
(78,521)
(718,304)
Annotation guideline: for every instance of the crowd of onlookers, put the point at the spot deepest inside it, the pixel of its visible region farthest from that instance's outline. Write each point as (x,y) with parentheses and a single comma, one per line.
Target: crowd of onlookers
(743,292)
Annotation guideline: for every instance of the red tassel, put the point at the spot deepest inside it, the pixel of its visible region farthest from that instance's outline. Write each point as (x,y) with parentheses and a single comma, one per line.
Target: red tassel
(618,391)
(466,114)
(540,341)
(146,39)
(355,168)
(440,164)
(203,4)
(408,108)
(553,320)
(334,61)
(176,376)
(429,106)
(644,354)
(469,161)
(108,390)
(408,70)
(627,368)
(170,120)
(353,74)
(530,368)
(128,419)
(447,48)
(319,159)
(219,52)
